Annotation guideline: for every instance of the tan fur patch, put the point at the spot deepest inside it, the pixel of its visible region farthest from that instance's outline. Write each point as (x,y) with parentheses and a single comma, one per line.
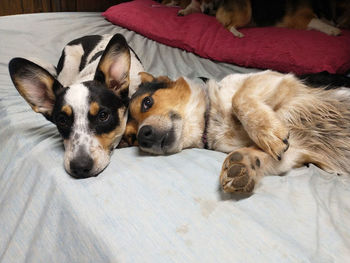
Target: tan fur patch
(237,15)
(130,133)
(94,108)
(172,98)
(67,110)
(298,19)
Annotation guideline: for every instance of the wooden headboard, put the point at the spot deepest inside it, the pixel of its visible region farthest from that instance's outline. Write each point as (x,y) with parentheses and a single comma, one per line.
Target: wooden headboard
(11,7)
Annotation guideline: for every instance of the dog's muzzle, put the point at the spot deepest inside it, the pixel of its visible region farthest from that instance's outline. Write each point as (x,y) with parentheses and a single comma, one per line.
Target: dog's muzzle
(81,166)
(153,140)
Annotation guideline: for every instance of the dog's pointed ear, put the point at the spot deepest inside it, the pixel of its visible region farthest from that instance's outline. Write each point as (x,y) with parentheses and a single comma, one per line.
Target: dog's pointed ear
(114,67)
(35,84)
(146,77)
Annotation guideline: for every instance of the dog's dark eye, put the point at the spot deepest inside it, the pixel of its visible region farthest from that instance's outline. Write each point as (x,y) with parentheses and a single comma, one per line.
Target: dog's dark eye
(103,116)
(62,120)
(147,103)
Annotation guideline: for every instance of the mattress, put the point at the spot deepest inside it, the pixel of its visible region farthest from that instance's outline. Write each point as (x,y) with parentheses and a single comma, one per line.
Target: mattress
(144,208)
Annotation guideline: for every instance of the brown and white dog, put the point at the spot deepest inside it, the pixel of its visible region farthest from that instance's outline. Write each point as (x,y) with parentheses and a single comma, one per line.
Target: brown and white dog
(234,14)
(268,122)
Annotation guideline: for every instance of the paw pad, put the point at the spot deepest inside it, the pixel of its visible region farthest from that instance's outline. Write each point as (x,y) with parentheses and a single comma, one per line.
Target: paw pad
(238,173)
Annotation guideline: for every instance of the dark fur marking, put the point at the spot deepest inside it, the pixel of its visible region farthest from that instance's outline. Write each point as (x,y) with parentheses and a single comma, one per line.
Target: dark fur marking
(174,116)
(88,43)
(66,130)
(137,57)
(108,102)
(204,79)
(99,76)
(257,162)
(96,56)
(325,79)
(60,63)
(149,88)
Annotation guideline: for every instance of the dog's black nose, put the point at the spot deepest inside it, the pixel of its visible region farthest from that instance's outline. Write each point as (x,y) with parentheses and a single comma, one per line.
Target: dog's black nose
(146,136)
(81,166)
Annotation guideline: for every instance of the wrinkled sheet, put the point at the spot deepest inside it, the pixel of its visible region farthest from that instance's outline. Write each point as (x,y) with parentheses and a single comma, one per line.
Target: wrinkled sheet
(147,208)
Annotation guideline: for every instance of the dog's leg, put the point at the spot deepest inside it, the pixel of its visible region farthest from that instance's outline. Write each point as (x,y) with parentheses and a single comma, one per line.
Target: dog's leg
(193,7)
(319,25)
(255,104)
(233,15)
(235,32)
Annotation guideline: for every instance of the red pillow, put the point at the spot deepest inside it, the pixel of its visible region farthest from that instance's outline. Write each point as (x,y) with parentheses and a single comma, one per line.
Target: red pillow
(281,49)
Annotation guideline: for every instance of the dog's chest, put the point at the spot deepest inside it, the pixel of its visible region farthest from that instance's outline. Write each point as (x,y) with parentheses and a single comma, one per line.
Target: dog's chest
(225,132)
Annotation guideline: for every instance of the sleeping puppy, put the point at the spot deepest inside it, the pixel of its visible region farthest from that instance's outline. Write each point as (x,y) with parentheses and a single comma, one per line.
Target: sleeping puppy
(233,14)
(87,98)
(267,122)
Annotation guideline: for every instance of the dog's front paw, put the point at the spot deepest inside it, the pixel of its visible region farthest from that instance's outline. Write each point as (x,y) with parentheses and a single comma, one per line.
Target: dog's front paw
(239,172)
(182,12)
(334,31)
(274,141)
(236,33)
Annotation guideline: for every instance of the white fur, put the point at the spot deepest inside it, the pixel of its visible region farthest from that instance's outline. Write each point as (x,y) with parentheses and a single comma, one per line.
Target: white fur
(70,75)
(194,121)
(82,137)
(319,25)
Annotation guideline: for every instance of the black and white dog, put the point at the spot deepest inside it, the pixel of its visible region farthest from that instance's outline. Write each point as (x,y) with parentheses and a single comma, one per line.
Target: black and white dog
(86,97)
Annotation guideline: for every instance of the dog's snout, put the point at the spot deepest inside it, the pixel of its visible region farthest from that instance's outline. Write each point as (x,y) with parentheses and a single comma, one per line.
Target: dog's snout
(81,166)
(146,136)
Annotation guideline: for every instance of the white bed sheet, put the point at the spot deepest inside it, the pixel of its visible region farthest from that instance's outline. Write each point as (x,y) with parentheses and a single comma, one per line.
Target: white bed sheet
(147,208)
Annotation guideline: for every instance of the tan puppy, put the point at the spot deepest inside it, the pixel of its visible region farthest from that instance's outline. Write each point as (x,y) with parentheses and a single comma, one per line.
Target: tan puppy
(233,14)
(268,122)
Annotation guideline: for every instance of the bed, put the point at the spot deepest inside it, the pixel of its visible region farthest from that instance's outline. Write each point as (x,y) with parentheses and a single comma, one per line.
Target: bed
(147,208)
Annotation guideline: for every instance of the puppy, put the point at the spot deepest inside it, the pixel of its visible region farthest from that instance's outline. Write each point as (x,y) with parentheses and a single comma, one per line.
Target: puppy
(87,98)
(233,14)
(268,122)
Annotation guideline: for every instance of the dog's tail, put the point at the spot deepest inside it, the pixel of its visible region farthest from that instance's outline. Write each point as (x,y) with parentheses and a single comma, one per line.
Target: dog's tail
(325,79)
(49,67)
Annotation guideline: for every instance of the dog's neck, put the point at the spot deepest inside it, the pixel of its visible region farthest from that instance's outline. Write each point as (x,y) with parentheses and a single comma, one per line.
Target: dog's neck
(196,116)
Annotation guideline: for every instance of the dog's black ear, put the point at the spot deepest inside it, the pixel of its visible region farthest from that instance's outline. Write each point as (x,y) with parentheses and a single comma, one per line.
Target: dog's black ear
(114,66)
(35,84)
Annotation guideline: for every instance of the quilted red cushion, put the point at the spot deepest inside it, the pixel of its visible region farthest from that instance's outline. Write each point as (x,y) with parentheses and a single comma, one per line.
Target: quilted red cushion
(281,49)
